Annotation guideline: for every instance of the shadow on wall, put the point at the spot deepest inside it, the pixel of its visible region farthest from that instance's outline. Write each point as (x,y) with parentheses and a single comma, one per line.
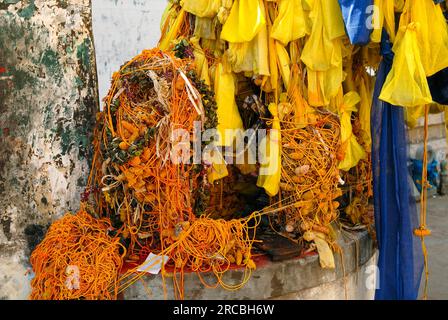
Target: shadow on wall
(122,29)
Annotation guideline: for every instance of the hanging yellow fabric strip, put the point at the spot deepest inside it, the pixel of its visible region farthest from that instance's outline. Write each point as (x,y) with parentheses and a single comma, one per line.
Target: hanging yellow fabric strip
(290,23)
(173,31)
(353,152)
(246,19)
(201,8)
(270,170)
(229,118)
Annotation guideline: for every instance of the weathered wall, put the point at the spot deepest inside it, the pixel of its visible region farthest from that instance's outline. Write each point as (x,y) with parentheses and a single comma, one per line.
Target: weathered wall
(48,101)
(436,135)
(122,29)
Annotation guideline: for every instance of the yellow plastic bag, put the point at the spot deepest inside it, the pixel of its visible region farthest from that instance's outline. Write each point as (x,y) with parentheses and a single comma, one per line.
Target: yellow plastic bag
(246,19)
(406,84)
(201,8)
(228,115)
(270,169)
(290,23)
(200,60)
(432,35)
(353,151)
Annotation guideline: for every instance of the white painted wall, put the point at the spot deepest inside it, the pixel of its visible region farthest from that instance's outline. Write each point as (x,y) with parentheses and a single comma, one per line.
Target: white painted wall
(122,29)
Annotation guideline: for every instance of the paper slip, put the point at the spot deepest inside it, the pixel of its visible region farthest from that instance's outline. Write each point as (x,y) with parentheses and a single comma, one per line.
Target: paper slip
(153,264)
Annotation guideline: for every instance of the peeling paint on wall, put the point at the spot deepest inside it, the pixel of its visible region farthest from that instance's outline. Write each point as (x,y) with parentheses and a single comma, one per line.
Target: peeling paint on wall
(122,29)
(48,102)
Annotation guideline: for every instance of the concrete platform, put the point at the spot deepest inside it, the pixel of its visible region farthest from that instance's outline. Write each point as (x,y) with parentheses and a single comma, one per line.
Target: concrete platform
(300,278)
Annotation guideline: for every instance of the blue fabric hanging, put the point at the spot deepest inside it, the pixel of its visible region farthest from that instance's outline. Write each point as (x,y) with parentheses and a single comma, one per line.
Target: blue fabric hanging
(356,15)
(400,257)
(438,84)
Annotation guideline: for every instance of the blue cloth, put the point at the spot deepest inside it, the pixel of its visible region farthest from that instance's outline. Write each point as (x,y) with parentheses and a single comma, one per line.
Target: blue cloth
(400,261)
(356,15)
(438,84)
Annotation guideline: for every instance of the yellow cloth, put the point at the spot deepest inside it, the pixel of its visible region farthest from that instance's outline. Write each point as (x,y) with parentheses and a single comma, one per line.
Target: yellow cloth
(270,169)
(324,85)
(201,8)
(245,20)
(228,115)
(290,23)
(320,53)
(205,28)
(364,112)
(173,31)
(333,20)
(201,61)
(353,152)
(167,14)
(323,56)
(284,63)
(385,16)
(251,57)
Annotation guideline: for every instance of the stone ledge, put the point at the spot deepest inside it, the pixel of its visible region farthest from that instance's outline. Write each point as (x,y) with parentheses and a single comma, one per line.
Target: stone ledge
(287,279)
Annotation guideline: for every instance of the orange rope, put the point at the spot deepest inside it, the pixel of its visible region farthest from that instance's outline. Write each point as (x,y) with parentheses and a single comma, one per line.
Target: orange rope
(77,260)
(423,231)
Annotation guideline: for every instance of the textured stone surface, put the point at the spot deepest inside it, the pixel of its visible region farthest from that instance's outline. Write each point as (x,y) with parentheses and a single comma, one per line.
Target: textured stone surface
(294,279)
(48,101)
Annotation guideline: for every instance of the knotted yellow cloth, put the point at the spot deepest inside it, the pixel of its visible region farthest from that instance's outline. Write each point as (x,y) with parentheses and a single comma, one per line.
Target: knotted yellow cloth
(270,170)
(201,8)
(290,23)
(353,151)
(406,84)
(245,20)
